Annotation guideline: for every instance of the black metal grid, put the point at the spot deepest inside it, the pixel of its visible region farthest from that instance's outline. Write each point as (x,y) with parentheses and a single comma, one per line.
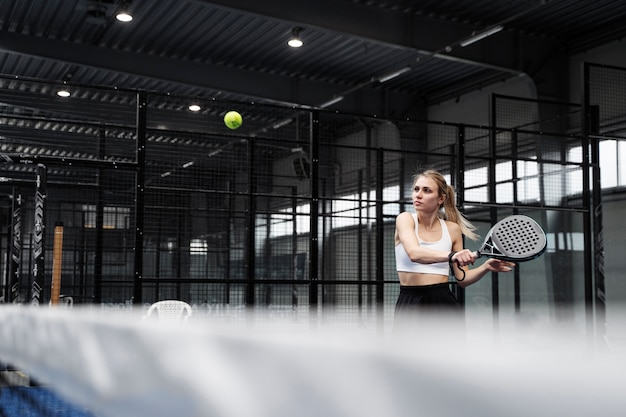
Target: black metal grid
(292,211)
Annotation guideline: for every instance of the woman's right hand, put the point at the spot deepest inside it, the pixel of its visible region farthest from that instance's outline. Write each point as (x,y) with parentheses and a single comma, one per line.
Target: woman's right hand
(464,257)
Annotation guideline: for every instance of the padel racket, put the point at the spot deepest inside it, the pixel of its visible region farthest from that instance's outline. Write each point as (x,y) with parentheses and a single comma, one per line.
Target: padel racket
(515,238)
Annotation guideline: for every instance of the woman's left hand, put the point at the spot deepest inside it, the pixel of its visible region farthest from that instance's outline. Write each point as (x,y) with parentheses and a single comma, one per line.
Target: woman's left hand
(496,265)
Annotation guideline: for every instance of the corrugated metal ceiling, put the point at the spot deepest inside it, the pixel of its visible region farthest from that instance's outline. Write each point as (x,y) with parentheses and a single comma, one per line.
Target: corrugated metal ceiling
(237,50)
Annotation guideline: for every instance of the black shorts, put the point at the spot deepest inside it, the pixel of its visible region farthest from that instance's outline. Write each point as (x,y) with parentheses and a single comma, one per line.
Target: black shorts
(426,296)
(428,305)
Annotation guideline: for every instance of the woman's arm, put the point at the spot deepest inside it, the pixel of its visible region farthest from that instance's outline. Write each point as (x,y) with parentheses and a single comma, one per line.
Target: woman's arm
(405,233)
(466,257)
(475,274)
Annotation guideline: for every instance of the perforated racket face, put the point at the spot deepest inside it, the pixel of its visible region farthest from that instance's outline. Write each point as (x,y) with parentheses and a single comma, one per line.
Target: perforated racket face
(518,238)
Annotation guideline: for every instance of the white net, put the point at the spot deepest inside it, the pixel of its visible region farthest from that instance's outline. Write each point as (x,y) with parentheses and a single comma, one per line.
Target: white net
(116,364)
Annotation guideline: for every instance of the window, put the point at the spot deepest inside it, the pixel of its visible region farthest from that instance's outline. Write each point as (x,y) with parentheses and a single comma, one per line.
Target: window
(282,223)
(112,217)
(612,174)
(347,211)
(198,247)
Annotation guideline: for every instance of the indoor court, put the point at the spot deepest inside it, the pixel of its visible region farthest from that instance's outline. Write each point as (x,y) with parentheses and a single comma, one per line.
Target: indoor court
(198,219)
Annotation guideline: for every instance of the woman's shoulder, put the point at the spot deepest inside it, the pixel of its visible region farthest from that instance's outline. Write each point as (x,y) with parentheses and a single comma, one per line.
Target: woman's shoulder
(453,227)
(405,216)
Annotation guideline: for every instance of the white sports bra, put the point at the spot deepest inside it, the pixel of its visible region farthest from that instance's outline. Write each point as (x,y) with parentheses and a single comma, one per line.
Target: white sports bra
(404,263)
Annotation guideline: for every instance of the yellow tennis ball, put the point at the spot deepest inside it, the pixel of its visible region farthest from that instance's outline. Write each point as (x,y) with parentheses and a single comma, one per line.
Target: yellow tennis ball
(232,119)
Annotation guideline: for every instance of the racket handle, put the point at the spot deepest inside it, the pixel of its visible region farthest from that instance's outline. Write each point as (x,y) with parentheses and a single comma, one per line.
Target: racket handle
(478,254)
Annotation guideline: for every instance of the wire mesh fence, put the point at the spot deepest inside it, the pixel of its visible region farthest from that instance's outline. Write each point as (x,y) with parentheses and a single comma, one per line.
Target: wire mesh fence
(294,209)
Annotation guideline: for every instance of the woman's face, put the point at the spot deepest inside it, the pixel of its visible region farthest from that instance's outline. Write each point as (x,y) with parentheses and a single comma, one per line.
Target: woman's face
(426,195)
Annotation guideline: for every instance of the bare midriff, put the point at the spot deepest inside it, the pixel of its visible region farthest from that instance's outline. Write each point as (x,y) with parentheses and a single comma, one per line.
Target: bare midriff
(416,278)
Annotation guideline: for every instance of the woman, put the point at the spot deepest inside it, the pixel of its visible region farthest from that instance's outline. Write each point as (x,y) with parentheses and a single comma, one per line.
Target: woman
(428,243)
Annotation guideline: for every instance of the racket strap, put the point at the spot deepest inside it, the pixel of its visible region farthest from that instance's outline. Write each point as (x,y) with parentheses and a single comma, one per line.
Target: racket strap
(450,262)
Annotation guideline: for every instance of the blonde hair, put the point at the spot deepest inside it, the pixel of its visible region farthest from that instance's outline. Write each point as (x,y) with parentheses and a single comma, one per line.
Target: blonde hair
(448,210)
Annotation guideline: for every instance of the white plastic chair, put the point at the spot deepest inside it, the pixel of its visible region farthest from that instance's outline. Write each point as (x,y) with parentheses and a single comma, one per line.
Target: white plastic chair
(170,311)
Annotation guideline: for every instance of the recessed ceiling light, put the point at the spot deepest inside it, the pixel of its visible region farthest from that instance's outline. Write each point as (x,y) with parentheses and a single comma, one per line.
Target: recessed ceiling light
(123,15)
(295,41)
(194,107)
(63,93)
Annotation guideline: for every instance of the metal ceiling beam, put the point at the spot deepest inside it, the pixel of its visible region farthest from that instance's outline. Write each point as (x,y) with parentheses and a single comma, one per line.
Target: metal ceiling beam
(389,27)
(252,84)
(246,83)
(373,24)
(542,59)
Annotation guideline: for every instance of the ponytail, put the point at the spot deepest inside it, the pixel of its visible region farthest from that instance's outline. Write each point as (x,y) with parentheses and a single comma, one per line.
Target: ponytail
(451,212)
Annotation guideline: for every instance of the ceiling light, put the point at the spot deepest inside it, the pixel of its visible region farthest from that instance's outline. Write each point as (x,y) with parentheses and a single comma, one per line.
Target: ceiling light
(63,93)
(281,123)
(481,35)
(123,15)
(332,101)
(194,107)
(295,41)
(394,74)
